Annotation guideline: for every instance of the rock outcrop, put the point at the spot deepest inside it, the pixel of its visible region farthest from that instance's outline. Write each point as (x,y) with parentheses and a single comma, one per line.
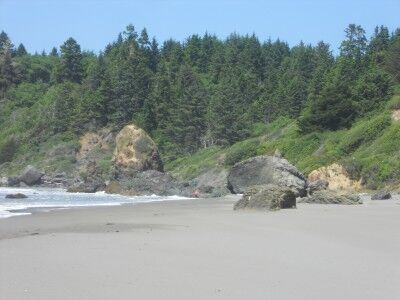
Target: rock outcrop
(212,183)
(331,197)
(318,185)
(135,152)
(381,195)
(267,197)
(146,183)
(337,178)
(263,170)
(16,196)
(91,183)
(30,176)
(396,115)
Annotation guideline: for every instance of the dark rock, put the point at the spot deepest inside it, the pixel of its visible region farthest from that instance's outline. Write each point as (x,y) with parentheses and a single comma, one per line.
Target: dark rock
(318,185)
(381,195)
(88,186)
(212,183)
(13,181)
(16,196)
(263,170)
(31,175)
(331,197)
(147,183)
(267,197)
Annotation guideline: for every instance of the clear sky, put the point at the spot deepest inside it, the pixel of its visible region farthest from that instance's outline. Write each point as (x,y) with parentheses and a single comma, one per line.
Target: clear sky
(42,24)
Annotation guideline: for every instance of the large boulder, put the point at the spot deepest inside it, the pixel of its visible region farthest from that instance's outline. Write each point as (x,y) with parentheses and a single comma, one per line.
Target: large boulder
(331,197)
(267,197)
(381,195)
(30,175)
(263,170)
(135,152)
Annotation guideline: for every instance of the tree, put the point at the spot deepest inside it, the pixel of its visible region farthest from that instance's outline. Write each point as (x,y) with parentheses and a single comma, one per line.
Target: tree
(21,51)
(71,62)
(5,43)
(372,89)
(392,59)
(333,108)
(54,52)
(355,44)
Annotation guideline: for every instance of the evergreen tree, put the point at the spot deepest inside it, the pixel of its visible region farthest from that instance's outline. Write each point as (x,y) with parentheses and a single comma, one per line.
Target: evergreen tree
(21,51)
(54,52)
(355,44)
(71,68)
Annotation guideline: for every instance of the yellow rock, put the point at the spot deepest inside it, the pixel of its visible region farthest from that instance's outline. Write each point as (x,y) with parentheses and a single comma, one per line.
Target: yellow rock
(135,150)
(337,177)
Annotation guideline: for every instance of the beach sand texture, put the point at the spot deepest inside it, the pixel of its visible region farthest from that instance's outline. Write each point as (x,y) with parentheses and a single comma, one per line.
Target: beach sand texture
(202,249)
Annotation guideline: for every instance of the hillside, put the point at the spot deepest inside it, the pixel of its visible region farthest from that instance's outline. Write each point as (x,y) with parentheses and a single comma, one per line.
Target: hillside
(207,103)
(370,149)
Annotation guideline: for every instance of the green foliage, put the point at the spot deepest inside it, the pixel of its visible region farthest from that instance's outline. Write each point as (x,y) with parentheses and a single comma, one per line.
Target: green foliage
(241,151)
(364,132)
(8,150)
(232,99)
(105,165)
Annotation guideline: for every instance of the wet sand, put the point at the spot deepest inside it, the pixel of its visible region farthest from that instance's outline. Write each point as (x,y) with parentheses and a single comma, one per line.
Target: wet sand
(202,249)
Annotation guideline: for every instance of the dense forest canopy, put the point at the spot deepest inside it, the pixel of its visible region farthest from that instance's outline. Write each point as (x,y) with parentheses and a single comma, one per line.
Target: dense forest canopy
(197,93)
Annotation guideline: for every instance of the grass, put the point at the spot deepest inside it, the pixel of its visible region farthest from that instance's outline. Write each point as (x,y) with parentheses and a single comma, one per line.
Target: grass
(369,149)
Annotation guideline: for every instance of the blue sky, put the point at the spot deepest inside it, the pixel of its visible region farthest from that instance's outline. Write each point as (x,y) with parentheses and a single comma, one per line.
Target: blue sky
(42,24)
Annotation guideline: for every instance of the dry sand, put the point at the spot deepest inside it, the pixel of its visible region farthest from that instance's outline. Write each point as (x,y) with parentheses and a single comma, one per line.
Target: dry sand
(202,249)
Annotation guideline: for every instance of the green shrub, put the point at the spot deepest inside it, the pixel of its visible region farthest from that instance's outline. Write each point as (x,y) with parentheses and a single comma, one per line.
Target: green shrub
(8,150)
(104,165)
(364,132)
(241,151)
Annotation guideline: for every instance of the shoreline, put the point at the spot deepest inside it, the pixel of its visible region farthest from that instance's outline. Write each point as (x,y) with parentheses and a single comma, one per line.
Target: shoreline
(202,249)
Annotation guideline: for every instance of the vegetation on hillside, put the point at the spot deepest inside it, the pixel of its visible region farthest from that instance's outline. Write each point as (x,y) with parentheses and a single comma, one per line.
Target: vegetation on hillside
(214,101)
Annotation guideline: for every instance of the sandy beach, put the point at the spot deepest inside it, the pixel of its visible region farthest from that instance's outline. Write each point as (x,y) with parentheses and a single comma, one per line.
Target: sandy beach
(202,249)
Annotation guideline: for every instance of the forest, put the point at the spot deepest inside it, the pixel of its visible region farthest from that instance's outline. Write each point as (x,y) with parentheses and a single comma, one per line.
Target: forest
(195,94)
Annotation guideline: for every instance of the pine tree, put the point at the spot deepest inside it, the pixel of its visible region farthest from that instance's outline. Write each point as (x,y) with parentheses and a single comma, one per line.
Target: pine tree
(54,52)
(21,51)
(355,44)
(71,62)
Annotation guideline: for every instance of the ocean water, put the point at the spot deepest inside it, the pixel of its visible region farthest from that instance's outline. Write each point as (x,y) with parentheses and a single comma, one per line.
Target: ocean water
(48,199)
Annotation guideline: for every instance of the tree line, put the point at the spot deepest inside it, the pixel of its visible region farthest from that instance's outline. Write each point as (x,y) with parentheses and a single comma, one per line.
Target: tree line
(201,92)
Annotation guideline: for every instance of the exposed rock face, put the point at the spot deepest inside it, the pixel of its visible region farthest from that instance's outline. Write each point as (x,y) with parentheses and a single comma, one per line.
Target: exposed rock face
(90,141)
(396,115)
(16,196)
(31,175)
(92,182)
(337,178)
(263,170)
(318,185)
(134,152)
(381,195)
(331,197)
(267,197)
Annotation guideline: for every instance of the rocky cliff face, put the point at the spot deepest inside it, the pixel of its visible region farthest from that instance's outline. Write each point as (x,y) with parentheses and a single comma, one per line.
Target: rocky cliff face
(135,152)
(337,178)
